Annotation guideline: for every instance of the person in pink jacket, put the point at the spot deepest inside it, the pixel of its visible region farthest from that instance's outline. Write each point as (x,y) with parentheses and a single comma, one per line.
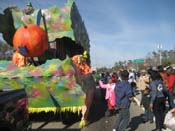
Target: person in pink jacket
(110,94)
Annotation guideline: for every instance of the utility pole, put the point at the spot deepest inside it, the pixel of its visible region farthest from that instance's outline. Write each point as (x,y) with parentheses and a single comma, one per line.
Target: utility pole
(159,46)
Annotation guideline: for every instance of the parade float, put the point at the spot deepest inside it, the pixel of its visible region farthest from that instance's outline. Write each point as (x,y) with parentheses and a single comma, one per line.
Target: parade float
(44,40)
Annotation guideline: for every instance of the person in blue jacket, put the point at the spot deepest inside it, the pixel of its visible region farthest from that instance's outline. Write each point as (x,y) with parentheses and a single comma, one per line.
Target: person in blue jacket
(159,93)
(124,96)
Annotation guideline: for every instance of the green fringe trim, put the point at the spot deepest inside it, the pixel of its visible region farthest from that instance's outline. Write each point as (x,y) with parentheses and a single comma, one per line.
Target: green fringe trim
(55,109)
(45,109)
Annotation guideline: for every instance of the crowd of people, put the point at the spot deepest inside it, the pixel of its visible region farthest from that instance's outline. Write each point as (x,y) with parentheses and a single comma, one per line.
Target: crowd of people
(156,86)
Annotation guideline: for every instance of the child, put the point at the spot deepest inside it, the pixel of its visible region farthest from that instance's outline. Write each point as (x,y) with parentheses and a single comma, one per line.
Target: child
(110,94)
(146,98)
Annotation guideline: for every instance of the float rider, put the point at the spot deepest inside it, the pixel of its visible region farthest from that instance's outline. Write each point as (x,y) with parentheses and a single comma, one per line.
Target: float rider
(85,79)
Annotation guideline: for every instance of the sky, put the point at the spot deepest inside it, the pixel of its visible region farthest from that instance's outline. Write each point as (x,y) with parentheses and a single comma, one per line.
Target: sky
(120,29)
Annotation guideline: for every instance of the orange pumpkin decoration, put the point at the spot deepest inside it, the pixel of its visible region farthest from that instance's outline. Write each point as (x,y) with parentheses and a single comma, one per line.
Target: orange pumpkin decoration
(30,40)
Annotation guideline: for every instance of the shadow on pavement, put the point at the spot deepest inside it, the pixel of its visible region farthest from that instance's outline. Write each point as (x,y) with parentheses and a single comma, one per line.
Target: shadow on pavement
(42,116)
(135,122)
(68,119)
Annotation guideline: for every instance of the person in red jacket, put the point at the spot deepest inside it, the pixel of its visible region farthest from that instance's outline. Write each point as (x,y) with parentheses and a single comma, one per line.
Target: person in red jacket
(171,79)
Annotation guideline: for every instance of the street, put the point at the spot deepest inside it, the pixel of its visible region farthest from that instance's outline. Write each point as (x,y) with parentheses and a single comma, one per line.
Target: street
(98,121)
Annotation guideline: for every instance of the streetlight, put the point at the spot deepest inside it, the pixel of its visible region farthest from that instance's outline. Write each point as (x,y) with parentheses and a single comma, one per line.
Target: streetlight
(159,46)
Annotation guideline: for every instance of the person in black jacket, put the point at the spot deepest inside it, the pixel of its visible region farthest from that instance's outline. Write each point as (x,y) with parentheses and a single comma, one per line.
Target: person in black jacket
(145,101)
(159,92)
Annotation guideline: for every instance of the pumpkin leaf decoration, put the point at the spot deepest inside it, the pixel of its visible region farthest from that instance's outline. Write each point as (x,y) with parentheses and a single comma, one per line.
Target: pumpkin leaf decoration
(22,50)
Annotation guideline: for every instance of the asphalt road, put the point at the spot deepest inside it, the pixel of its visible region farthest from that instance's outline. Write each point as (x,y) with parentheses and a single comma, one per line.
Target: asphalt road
(97,119)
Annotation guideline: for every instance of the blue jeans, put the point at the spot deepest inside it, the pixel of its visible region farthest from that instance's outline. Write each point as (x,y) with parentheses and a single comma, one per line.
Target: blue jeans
(122,119)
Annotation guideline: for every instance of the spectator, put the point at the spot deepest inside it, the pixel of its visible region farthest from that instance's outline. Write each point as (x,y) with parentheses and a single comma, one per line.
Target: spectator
(158,97)
(163,74)
(102,90)
(145,101)
(169,121)
(110,94)
(96,77)
(124,96)
(134,92)
(119,74)
(170,79)
(131,79)
(114,77)
(134,88)
(131,74)
(102,76)
(143,80)
(107,75)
